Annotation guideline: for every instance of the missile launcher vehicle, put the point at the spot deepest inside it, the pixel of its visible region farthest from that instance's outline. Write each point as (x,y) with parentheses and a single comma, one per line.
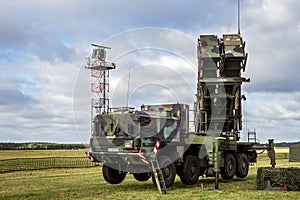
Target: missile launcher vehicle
(156,140)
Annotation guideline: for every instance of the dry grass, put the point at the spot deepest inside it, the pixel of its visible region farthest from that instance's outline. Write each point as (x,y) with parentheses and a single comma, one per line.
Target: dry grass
(282,149)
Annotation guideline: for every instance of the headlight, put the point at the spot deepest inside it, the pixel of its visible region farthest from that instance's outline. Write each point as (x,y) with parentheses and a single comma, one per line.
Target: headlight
(128,144)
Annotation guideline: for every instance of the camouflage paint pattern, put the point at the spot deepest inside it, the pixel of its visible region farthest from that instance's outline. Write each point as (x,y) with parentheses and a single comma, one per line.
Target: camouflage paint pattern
(209,46)
(278,178)
(233,46)
(143,128)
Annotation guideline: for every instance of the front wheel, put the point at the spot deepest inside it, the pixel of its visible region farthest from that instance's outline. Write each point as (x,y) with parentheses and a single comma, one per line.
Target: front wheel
(169,171)
(112,176)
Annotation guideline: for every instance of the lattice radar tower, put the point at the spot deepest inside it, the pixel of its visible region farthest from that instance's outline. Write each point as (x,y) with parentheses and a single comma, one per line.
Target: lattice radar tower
(100,80)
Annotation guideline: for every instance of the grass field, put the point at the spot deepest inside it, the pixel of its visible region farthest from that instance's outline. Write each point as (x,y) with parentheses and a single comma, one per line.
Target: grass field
(88,183)
(8,154)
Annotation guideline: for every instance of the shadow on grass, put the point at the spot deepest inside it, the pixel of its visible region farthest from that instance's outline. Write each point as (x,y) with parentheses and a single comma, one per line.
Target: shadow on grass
(133,185)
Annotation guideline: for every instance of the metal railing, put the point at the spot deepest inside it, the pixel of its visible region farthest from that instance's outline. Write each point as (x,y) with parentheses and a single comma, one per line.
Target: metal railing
(21,164)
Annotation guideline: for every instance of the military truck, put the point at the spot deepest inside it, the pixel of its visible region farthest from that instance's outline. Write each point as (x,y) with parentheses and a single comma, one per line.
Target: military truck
(126,139)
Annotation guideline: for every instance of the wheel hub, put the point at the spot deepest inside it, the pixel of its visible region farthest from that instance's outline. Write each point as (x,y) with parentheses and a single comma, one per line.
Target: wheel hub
(193,170)
(167,171)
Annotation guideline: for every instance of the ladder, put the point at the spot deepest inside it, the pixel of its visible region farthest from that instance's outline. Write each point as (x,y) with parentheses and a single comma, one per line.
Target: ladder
(158,175)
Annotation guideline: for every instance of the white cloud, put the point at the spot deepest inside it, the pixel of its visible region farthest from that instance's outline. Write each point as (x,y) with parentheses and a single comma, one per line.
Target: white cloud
(270,28)
(36,101)
(274,115)
(44,44)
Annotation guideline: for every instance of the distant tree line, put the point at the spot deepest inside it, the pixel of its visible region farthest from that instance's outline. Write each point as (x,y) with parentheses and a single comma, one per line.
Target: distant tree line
(39,146)
(286,144)
(49,146)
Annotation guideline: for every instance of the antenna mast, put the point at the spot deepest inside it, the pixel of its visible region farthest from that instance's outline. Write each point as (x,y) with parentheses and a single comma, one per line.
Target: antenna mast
(238,13)
(128,82)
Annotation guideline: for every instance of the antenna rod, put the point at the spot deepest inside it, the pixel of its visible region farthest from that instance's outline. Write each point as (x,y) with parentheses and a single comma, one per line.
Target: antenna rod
(128,82)
(238,9)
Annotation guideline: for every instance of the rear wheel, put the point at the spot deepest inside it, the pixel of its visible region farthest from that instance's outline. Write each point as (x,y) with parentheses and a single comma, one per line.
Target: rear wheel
(142,176)
(242,165)
(229,169)
(169,171)
(112,176)
(190,170)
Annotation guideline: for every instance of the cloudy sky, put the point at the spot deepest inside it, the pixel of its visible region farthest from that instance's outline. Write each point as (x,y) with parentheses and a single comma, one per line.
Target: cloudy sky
(44,91)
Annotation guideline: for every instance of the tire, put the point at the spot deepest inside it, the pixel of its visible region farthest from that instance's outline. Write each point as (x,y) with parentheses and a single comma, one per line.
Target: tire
(112,176)
(229,169)
(190,170)
(142,176)
(169,172)
(242,165)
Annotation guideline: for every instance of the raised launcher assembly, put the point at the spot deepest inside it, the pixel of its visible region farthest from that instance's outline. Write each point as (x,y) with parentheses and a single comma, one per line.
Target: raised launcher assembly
(218,110)
(221,61)
(219,83)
